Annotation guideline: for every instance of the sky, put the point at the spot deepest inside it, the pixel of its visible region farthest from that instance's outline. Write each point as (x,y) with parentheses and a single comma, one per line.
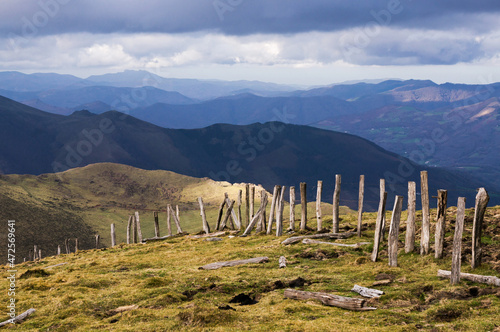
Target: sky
(314,42)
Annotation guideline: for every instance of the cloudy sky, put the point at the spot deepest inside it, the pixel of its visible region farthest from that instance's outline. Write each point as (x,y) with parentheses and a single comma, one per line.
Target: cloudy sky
(286,41)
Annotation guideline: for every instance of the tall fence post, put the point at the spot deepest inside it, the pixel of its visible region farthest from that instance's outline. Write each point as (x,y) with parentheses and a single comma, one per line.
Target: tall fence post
(221,213)
(176,219)
(318,206)
(113,235)
(336,203)
(157,224)
(97,241)
(482,199)
(456,257)
(138,223)
(279,212)
(240,201)
(76,245)
(426,224)
(261,222)
(134,230)
(394,231)
(440,223)
(66,244)
(382,191)
(206,226)
(378,226)
(274,208)
(169,223)
(361,196)
(292,208)
(247,203)
(303,204)
(252,201)
(129,227)
(410,219)
(58,249)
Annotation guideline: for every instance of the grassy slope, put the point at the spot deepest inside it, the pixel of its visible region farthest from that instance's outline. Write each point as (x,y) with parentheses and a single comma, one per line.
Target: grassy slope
(163,279)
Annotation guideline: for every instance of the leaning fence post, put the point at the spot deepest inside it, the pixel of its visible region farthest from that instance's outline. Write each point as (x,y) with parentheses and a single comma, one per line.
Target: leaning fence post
(206,226)
(456,258)
(176,219)
(303,204)
(336,202)
(138,222)
(279,212)
(378,226)
(426,224)
(318,206)
(113,235)
(394,231)
(360,202)
(440,223)
(482,200)
(292,208)
(276,192)
(410,220)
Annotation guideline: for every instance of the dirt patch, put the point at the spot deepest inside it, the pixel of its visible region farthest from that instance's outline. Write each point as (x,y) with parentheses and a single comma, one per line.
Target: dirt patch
(243,299)
(317,255)
(35,273)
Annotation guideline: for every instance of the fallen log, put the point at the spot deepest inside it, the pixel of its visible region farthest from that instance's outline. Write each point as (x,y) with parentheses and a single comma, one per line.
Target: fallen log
(490,280)
(367,292)
(218,265)
(51,266)
(19,318)
(151,239)
(207,235)
(329,299)
(213,239)
(355,245)
(333,236)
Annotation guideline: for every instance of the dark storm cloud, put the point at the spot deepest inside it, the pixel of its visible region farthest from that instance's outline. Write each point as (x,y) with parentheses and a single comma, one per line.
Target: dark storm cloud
(237,17)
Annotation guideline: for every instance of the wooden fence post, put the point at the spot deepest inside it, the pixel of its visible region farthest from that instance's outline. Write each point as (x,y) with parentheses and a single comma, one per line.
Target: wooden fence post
(440,223)
(234,220)
(303,204)
(157,224)
(221,213)
(336,202)
(176,219)
(240,201)
(261,222)
(66,243)
(58,250)
(426,224)
(378,226)
(361,196)
(97,241)
(39,253)
(138,223)
(247,203)
(35,252)
(318,207)
(76,245)
(482,199)
(292,208)
(410,220)
(134,230)
(169,223)
(257,216)
(456,258)
(382,191)
(276,192)
(113,235)
(129,227)
(279,212)
(177,213)
(206,226)
(227,216)
(394,231)
(252,200)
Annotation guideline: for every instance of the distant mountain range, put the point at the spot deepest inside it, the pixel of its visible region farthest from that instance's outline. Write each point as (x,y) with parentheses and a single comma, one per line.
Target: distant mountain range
(35,142)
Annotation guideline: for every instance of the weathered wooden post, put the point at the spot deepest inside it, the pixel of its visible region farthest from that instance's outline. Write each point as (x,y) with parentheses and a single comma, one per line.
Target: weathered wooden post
(39,253)
(176,219)
(240,201)
(426,224)
(456,258)
(206,226)
(382,191)
(292,208)
(378,226)
(66,243)
(177,213)
(336,202)
(169,223)
(97,241)
(234,221)
(276,192)
(30,255)
(134,230)
(261,222)
(113,235)
(221,213)
(247,203)
(303,205)
(227,216)
(279,212)
(440,223)
(394,231)
(138,222)
(35,251)
(410,220)
(318,207)
(157,224)
(256,218)
(129,228)
(252,201)
(482,199)
(76,245)
(58,250)
(361,196)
